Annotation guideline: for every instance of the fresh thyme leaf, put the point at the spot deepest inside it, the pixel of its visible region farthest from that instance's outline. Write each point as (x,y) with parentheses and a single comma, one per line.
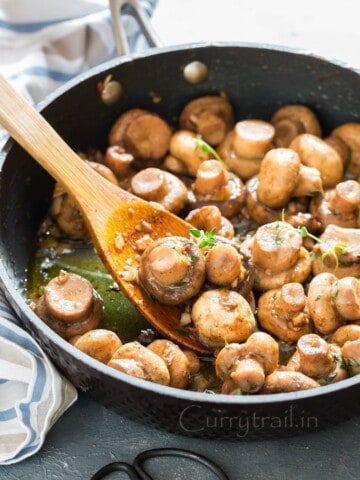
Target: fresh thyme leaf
(237,392)
(196,232)
(283,215)
(179,284)
(340,248)
(352,362)
(317,298)
(334,290)
(325,380)
(204,239)
(316,193)
(257,279)
(205,147)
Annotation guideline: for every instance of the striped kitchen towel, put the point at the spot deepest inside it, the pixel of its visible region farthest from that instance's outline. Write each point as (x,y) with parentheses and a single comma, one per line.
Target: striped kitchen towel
(42,45)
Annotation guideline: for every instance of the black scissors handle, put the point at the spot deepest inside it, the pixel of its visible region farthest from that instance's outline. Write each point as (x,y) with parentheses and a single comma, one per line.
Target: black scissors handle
(137,471)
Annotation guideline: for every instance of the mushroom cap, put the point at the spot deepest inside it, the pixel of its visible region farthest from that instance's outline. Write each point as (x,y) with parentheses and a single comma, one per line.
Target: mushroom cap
(278,177)
(300,113)
(221,316)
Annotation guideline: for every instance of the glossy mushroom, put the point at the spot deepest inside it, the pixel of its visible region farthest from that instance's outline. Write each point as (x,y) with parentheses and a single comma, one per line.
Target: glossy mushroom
(337,252)
(338,206)
(143,134)
(285,381)
(176,361)
(185,156)
(315,152)
(278,256)
(159,186)
(282,176)
(172,269)
(244,147)
(209,217)
(245,366)
(292,120)
(221,316)
(70,305)
(283,312)
(100,344)
(349,133)
(138,361)
(211,116)
(214,185)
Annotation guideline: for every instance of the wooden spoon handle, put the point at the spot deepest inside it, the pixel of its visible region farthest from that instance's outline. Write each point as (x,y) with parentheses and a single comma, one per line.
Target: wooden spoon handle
(26,125)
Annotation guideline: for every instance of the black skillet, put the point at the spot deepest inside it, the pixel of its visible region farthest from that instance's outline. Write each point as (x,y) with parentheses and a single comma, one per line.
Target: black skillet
(258,79)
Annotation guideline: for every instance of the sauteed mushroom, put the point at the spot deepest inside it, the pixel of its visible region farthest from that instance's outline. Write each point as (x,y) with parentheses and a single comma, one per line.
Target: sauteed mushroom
(100,344)
(223,266)
(315,152)
(337,252)
(284,312)
(70,305)
(215,186)
(245,366)
(349,133)
(156,185)
(282,176)
(143,134)
(208,218)
(138,361)
(119,161)
(222,316)
(292,120)
(339,206)
(285,381)
(351,355)
(278,256)
(175,359)
(172,269)
(185,156)
(211,116)
(346,333)
(244,147)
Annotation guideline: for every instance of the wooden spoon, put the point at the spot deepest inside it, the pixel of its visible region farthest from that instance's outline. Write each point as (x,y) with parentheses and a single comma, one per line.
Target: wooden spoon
(111,214)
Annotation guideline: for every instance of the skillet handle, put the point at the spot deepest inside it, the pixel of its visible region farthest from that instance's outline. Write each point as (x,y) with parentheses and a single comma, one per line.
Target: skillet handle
(137,11)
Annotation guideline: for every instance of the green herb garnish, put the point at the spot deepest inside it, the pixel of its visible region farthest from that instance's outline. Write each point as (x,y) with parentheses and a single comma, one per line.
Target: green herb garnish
(339,248)
(204,239)
(205,147)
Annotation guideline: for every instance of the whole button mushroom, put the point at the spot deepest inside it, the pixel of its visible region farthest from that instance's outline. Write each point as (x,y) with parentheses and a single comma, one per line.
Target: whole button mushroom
(176,361)
(315,356)
(222,315)
(143,134)
(138,361)
(245,366)
(278,256)
(338,252)
(209,217)
(211,116)
(282,176)
(292,120)
(70,305)
(185,157)
(285,381)
(296,210)
(119,161)
(245,146)
(283,312)
(214,185)
(172,269)
(100,344)
(321,294)
(351,355)
(349,133)
(339,206)
(346,333)
(156,185)
(315,152)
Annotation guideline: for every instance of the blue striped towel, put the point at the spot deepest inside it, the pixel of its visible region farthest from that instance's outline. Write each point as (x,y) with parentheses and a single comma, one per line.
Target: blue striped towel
(42,45)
